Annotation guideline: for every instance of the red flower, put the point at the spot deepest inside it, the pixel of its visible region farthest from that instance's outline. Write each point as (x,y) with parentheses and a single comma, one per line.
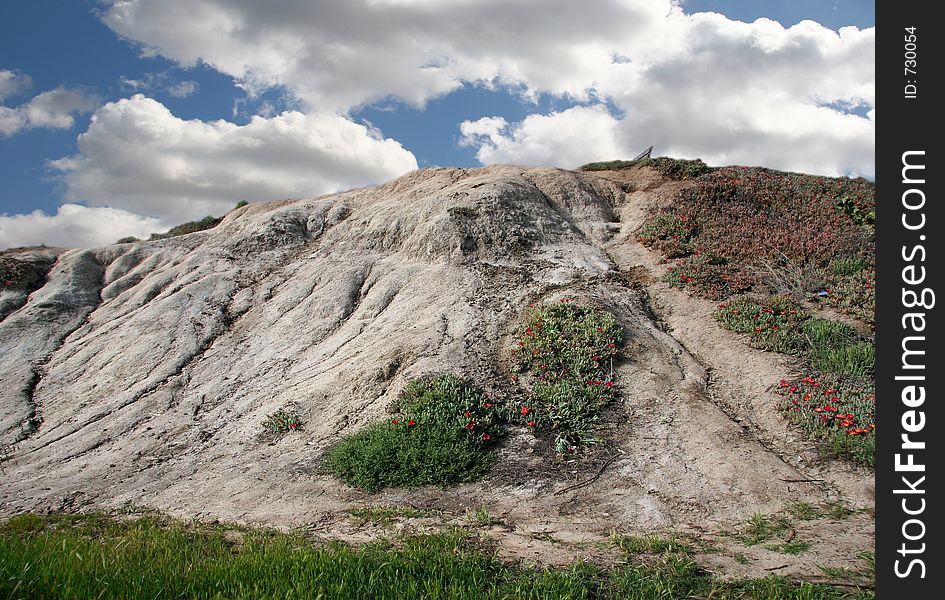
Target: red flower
(488,405)
(611,345)
(595,358)
(609,384)
(393,421)
(530,423)
(471,425)
(468,414)
(486,436)
(525,410)
(411,422)
(293,425)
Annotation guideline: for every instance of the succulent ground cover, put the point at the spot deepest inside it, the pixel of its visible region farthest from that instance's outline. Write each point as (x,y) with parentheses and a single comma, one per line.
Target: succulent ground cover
(738,229)
(840,412)
(786,238)
(564,355)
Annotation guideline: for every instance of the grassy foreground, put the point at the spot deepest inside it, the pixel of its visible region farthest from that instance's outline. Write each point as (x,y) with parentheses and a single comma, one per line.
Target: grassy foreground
(96,556)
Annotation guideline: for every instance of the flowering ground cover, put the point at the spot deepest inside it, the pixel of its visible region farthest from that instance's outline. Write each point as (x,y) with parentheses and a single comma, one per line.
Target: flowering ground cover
(786,237)
(441,435)
(738,229)
(565,353)
(842,358)
(840,412)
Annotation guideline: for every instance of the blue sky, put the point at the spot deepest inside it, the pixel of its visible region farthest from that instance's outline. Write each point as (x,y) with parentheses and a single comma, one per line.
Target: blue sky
(121,119)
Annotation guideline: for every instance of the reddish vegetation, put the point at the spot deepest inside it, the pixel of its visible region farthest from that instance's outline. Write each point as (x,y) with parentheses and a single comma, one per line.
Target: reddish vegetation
(736,227)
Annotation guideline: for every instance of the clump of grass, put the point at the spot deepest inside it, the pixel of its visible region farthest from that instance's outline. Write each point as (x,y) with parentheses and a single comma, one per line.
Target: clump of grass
(805,511)
(761,528)
(840,412)
(648,544)
(779,325)
(441,436)
(185,228)
(793,548)
(93,556)
(837,348)
(481,517)
(567,351)
(282,421)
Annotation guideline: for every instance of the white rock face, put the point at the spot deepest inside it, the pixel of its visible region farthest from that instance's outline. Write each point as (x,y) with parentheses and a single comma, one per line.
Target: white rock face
(143,372)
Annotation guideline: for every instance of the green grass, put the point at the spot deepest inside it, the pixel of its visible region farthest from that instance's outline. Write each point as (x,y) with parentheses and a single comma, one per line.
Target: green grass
(761,528)
(648,544)
(441,436)
(191,227)
(567,351)
(793,548)
(70,556)
(778,324)
(836,348)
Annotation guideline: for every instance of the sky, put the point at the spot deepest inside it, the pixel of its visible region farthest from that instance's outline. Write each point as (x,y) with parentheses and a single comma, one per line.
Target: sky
(126,117)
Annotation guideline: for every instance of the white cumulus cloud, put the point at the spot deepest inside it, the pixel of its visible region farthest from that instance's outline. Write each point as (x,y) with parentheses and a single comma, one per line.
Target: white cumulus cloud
(53,109)
(73,225)
(568,138)
(139,157)
(13,83)
(691,85)
(182,89)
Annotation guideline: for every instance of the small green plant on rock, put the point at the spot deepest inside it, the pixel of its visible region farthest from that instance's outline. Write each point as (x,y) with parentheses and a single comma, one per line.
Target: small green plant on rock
(282,421)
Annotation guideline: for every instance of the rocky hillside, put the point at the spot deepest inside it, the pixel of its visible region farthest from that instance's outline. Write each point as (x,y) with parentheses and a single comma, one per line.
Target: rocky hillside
(143,372)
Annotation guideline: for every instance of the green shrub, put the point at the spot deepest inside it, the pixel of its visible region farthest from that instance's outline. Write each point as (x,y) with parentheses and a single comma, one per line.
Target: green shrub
(191,227)
(442,436)
(674,168)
